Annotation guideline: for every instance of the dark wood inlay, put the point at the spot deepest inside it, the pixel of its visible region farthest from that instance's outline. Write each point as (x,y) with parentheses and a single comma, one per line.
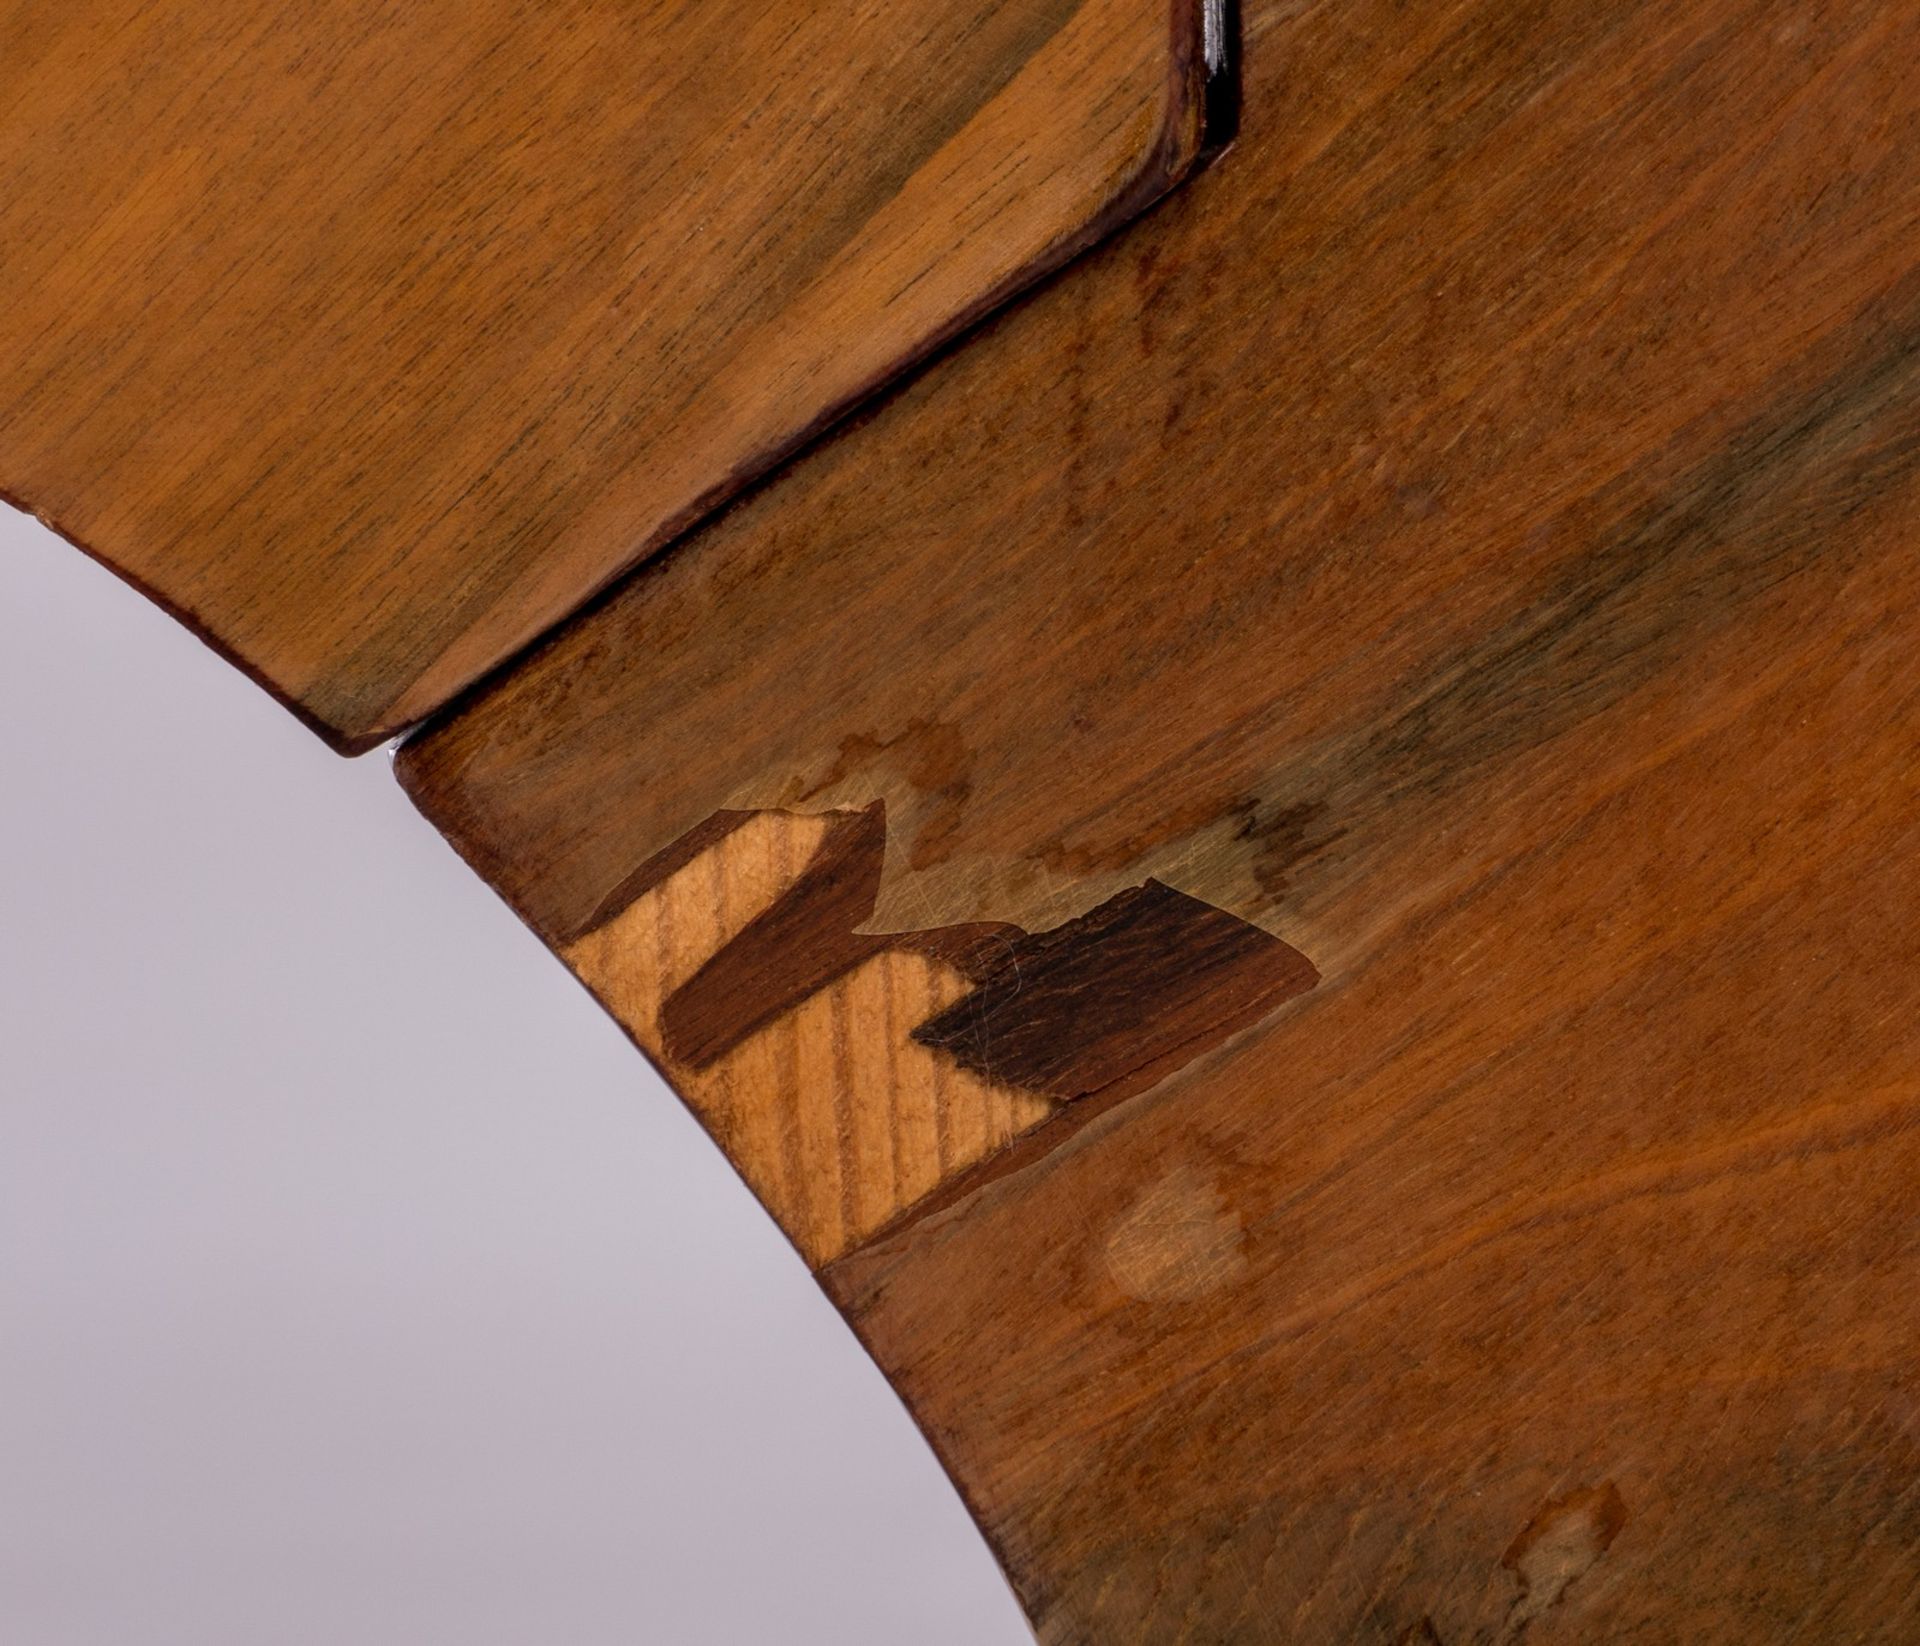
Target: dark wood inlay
(1149,977)
(1146,982)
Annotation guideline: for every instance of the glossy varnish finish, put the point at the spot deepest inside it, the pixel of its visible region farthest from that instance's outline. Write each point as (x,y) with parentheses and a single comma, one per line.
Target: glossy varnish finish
(1469,537)
(373,337)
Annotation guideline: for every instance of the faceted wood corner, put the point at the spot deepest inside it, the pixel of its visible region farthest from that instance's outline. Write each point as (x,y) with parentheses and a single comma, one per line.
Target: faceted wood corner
(851,1074)
(374,341)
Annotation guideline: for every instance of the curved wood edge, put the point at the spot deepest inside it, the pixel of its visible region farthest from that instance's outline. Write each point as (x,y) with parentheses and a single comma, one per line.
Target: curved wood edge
(860,1079)
(1470,535)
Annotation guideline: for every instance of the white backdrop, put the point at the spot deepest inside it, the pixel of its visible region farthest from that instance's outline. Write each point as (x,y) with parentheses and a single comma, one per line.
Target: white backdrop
(359,1284)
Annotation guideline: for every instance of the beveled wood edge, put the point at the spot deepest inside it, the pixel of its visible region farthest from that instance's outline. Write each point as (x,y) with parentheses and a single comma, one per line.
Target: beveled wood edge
(1201,118)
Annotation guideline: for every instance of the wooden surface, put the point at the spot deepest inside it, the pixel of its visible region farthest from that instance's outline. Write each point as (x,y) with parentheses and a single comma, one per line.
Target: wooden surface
(1468,539)
(373,337)
(836,1132)
(850,1074)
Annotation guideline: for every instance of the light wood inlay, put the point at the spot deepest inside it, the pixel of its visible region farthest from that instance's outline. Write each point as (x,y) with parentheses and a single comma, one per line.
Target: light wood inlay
(835,1117)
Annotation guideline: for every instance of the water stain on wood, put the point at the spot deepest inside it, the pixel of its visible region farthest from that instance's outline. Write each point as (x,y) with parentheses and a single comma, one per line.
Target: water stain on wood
(1557,1548)
(1179,1240)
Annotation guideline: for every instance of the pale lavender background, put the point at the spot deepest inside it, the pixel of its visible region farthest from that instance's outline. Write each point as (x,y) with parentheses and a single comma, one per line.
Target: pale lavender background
(359,1285)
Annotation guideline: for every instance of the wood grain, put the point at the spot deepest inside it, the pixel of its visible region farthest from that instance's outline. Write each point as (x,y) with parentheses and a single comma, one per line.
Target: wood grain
(373,337)
(1470,535)
(837,1132)
(851,1074)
